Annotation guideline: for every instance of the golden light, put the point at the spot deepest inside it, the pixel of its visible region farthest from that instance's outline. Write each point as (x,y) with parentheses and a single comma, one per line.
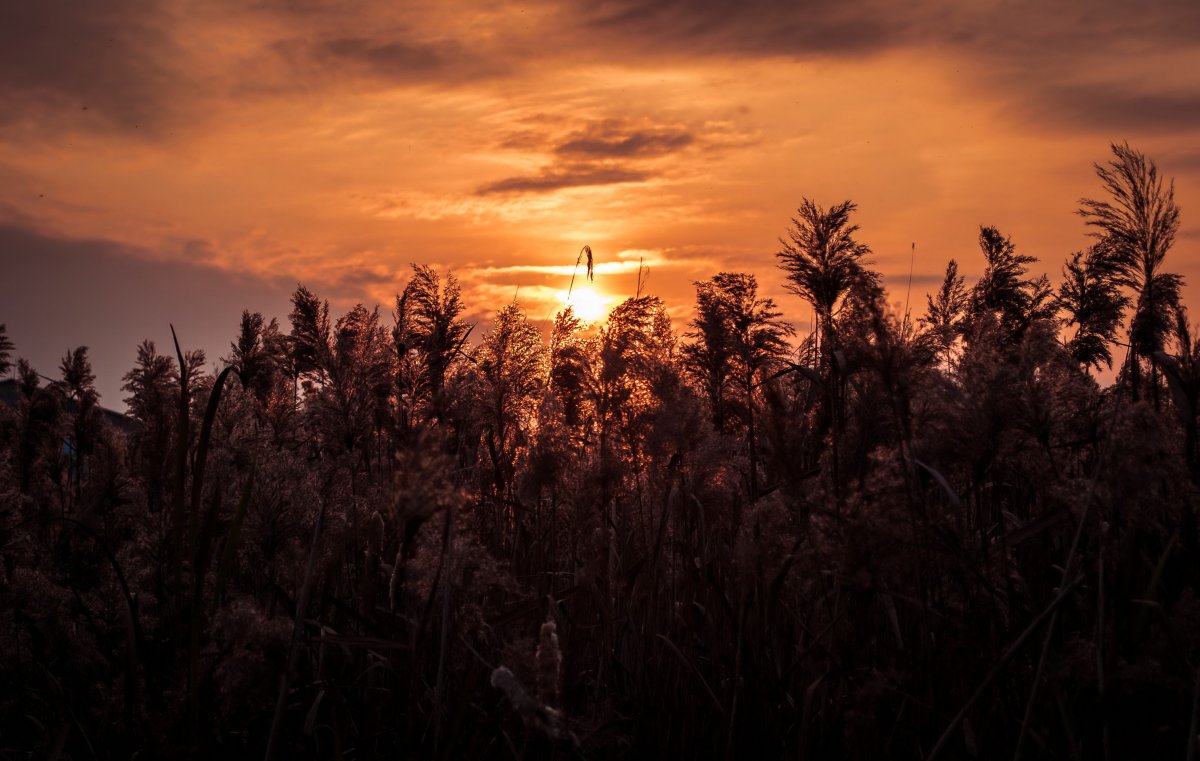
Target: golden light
(590,305)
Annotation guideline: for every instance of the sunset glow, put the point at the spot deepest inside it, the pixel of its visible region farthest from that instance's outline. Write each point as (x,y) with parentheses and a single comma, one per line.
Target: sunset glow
(588,303)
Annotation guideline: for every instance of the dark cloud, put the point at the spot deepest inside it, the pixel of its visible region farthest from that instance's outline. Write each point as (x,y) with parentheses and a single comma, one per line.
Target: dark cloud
(605,152)
(753,27)
(120,58)
(352,285)
(361,276)
(392,57)
(1114,111)
(119,65)
(313,54)
(810,28)
(558,178)
(921,282)
(525,140)
(1064,61)
(59,293)
(408,60)
(612,141)
(87,64)
(1177,163)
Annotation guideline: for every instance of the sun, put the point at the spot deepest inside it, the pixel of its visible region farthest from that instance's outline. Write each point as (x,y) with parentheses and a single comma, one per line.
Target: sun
(590,305)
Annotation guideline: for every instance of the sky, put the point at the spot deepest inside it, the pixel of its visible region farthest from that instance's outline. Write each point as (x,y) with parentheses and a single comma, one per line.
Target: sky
(177,162)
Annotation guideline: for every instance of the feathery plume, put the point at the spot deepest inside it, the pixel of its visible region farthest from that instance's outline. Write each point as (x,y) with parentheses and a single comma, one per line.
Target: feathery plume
(549,662)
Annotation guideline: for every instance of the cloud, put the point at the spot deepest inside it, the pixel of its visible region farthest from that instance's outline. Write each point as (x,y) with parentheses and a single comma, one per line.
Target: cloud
(391,57)
(1102,65)
(754,27)
(417,205)
(558,178)
(605,152)
(1179,162)
(765,28)
(356,277)
(394,58)
(93,63)
(612,140)
(1114,111)
(158,68)
(147,66)
(351,284)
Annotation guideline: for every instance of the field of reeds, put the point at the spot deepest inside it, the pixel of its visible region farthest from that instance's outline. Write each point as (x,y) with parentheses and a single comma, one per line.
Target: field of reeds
(922,535)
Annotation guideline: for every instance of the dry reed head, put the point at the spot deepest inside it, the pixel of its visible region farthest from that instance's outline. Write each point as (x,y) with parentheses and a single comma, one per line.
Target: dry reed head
(533,714)
(549,663)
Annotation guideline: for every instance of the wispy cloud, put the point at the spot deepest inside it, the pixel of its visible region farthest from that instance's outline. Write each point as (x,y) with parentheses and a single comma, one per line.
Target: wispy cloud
(626,262)
(604,152)
(612,140)
(386,59)
(557,178)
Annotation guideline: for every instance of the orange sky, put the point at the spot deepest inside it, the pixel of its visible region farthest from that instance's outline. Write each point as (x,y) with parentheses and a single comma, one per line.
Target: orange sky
(179,161)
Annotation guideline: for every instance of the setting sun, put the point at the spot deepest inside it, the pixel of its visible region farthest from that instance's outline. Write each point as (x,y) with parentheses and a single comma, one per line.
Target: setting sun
(589,304)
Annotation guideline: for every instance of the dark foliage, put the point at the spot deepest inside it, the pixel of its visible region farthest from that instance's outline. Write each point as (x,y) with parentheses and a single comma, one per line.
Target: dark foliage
(1093,303)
